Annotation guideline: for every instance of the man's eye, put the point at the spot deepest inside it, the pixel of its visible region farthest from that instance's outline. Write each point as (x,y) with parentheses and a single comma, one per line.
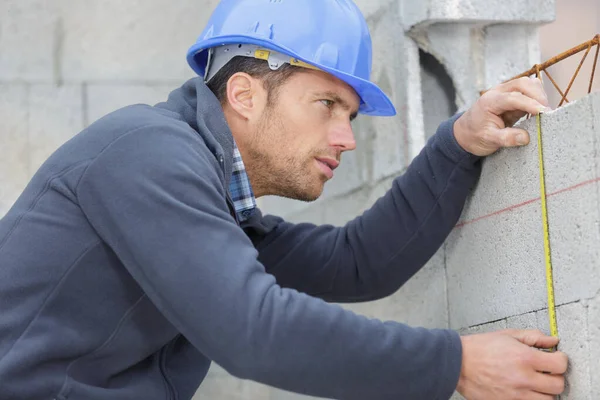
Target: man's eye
(328,103)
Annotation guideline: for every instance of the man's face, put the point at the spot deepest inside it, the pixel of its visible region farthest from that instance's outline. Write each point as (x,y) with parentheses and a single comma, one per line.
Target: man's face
(297,141)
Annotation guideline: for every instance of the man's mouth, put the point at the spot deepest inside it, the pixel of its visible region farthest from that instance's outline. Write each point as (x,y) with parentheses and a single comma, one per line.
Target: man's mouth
(327,165)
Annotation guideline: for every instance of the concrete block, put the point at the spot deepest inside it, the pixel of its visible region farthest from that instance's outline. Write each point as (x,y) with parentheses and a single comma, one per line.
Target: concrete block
(438,94)
(373,9)
(568,139)
(102,99)
(523,321)
(55,115)
(495,268)
(594,345)
(30,40)
(14,154)
(314,214)
(445,42)
(484,328)
(573,331)
(596,133)
(501,65)
(338,211)
(509,180)
(218,384)
(572,322)
(573,218)
(573,212)
(147,40)
(396,69)
(432,11)
(284,207)
(422,301)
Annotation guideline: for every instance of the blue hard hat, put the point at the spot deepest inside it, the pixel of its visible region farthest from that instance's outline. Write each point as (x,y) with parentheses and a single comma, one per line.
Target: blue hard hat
(330,35)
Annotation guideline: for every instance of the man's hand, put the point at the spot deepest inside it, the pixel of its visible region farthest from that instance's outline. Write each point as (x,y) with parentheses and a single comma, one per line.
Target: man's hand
(487,126)
(507,365)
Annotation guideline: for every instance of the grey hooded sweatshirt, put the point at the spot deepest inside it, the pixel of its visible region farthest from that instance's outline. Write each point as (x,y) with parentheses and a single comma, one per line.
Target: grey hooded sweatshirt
(124,271)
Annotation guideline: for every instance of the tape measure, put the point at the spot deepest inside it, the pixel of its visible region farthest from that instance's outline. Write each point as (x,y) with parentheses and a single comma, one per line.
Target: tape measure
(547,255)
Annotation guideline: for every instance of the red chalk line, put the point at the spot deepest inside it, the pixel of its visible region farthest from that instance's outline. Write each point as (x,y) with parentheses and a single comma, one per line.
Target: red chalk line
(513,207)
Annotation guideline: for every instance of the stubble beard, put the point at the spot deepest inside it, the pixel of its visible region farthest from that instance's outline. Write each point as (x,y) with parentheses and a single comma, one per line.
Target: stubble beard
(278,169)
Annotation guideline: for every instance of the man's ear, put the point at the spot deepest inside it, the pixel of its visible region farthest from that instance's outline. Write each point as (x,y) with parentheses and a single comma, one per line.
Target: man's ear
(244,95)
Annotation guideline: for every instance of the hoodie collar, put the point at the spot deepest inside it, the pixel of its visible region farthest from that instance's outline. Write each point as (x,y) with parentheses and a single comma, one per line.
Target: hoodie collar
(201,110)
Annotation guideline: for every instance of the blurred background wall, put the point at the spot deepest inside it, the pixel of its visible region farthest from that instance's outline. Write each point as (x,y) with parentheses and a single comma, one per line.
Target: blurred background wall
(66,63)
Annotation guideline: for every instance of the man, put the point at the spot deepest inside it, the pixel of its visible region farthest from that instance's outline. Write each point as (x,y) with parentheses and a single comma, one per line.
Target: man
(136,255)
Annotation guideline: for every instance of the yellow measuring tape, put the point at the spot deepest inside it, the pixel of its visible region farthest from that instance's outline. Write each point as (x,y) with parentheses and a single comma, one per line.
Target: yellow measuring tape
(547,256)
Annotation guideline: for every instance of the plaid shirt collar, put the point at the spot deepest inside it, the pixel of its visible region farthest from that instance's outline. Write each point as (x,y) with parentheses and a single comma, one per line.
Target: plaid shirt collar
(242,195)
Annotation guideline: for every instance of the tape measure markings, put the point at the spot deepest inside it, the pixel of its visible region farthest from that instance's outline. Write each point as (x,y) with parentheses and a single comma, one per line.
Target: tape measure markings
(547,254)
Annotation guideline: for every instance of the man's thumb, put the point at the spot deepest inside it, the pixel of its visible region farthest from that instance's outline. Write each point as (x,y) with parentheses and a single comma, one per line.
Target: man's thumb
(534,338)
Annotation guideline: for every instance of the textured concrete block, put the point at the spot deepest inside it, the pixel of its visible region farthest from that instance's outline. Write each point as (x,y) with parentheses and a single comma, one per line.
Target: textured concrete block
(484,328)
(422,301)
(523,321)
(495,268)
(220,385)
(444,42)
(502,252)
(574,218)
(30,40)
(594,345)
(14,155)
(500,64)
(438,94)
(396,69)
(147,40)
(573,212)
(314,214)
(286,208)
(572,322)
(568,139)
(573,331)
(103,99)
(55,115)
(339,210)
(596,133)
(509,180)
(372,9)
(432,11)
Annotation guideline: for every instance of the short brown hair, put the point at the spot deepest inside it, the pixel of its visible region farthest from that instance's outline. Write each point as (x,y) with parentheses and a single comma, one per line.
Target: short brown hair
(271,79)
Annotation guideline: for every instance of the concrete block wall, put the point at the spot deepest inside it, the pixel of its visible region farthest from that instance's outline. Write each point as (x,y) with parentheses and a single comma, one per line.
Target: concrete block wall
(494,257)
(64,64)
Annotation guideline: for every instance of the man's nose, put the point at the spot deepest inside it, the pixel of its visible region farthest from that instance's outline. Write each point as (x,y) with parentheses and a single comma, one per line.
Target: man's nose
(342,137)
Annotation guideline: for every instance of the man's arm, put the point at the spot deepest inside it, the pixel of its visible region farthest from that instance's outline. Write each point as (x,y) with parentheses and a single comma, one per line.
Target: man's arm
(155,197)
(374,254)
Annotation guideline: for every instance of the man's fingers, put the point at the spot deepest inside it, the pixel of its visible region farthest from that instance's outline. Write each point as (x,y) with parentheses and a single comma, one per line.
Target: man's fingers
(548,384)
(530,87)
(554,363)
(503,102)
(534,338)
(509,137)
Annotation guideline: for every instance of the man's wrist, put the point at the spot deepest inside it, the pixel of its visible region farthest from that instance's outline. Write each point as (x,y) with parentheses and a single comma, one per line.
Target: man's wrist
(461,133)
(462,379)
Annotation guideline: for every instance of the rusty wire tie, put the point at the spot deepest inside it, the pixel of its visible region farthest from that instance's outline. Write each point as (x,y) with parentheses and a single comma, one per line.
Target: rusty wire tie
(538,68)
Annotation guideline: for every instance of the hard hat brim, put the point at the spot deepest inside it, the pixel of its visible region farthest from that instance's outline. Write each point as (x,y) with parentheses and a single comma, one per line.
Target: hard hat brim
(374,101)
